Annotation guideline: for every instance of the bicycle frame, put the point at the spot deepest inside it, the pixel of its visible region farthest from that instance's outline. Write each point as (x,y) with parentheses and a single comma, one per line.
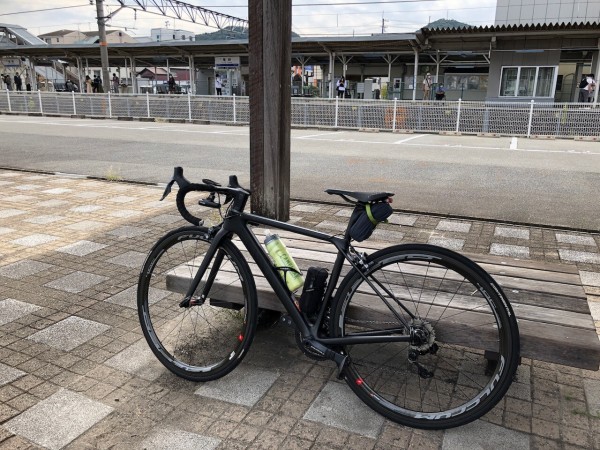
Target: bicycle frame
(238,224)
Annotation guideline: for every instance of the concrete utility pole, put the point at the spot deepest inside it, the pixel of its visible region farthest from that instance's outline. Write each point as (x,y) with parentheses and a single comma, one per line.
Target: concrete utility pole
(270,40)
(103,44)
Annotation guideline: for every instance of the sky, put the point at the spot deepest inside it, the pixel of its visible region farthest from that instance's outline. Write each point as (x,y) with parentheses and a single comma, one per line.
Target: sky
(309,17)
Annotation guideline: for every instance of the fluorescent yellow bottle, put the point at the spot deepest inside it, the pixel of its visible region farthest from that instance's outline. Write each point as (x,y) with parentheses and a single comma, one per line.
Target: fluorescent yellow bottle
(281,258)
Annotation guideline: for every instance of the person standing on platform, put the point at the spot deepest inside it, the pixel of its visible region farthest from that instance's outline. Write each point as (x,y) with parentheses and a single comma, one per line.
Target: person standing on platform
(427,86)
(218,85)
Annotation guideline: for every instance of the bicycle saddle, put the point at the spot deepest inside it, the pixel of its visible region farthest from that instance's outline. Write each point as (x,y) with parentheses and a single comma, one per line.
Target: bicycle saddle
(362,197)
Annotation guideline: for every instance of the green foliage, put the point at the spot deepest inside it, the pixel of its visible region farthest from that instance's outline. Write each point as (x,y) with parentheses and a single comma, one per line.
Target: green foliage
(113,174)
(228,33)
(447,23)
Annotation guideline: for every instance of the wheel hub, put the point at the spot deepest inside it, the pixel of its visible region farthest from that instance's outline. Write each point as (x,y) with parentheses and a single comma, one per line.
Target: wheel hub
(422,336)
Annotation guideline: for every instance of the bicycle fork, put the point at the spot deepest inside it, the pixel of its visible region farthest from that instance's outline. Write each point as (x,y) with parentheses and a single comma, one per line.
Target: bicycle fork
(192,300)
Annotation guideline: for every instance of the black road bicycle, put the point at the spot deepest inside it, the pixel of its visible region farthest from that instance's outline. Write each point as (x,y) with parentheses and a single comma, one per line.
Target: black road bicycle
(423,335)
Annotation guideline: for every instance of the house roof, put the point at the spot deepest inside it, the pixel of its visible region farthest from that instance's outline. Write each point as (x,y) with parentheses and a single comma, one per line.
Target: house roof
(56,33)
(95,33)
(527,28)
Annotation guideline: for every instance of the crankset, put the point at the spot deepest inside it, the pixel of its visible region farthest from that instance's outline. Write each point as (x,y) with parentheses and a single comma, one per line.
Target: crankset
(308,350)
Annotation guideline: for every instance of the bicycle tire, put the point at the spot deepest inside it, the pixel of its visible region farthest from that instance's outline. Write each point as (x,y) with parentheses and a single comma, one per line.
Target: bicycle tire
(468,314)
(201,342)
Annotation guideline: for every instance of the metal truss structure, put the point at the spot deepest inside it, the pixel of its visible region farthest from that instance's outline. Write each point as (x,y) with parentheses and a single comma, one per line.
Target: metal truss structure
(189,13)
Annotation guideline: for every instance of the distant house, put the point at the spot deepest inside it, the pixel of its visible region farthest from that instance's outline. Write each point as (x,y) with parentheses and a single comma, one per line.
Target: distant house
(161,75)
(60,37)
(65,37)
(112,37)
(170,34)
(155,74)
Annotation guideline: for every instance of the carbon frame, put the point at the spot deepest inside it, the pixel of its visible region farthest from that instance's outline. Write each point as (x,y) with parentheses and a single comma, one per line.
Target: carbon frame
(238,224)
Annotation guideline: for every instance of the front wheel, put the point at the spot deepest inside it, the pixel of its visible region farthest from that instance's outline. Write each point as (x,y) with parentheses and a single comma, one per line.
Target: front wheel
(209,339)
(459,320)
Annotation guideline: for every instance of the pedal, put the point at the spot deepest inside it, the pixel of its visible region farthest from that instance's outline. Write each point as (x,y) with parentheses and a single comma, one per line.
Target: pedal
(286,321)
(340,359)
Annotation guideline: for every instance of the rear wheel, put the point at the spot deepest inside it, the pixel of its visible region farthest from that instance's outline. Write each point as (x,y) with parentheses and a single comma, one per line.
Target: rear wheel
(207,340)
(458,318)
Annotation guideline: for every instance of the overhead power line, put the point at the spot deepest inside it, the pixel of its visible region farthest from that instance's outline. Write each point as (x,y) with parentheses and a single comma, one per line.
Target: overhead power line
(332,4)
(42,10)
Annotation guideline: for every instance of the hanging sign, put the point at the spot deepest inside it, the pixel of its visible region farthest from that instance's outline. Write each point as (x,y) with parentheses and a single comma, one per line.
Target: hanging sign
(227,62)
(11,62)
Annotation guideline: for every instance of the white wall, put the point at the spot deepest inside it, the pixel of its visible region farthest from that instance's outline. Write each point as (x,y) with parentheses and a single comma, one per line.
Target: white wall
(521,12)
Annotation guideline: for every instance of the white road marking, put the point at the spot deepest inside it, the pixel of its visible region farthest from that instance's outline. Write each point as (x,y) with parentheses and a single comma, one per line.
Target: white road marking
(401,141)
(321,134)
(94,124)
(513,143)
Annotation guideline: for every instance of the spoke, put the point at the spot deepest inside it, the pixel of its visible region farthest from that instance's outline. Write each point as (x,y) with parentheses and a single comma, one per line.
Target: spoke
(436,292)
(458,369)
(451,300)
(422,288)
(392,296)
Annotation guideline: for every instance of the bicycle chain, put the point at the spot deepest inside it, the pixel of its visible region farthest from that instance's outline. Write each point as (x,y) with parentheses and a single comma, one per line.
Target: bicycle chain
(370,321)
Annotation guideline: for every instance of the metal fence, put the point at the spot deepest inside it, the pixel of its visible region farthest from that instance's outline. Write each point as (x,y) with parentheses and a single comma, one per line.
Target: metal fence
(513,119)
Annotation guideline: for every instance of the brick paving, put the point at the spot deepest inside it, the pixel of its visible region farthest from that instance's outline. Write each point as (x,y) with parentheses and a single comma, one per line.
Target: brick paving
(75,371)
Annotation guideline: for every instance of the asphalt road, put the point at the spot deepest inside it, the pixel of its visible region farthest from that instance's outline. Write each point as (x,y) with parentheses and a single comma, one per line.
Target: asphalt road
(550,182)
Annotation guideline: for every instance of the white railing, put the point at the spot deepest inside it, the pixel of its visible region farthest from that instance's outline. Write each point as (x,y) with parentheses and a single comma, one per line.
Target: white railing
(512,119)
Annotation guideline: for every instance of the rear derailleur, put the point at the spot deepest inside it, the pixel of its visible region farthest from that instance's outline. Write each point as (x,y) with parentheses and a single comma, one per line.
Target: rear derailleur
(422,343)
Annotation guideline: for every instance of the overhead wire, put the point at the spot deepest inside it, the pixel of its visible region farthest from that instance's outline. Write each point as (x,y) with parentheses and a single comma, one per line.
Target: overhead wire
(393,24)
(42,10)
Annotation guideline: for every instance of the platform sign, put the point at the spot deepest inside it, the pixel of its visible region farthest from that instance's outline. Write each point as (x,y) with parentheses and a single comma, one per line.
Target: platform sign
(227,62)
(11,62)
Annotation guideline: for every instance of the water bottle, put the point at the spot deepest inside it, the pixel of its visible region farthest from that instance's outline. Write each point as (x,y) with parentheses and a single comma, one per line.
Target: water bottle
(281,258)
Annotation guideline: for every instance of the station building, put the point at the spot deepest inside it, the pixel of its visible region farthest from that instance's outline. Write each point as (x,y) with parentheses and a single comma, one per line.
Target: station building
(506,63)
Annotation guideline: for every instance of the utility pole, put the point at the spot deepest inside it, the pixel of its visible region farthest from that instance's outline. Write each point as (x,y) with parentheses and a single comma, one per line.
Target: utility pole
(270,41)
(103,44)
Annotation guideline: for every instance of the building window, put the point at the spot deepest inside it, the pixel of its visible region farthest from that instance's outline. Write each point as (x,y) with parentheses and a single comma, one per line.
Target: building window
(465,81)
(527,81)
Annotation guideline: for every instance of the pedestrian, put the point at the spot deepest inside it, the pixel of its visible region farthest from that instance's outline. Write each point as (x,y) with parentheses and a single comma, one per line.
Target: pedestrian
(591,86)
(18,82)
(115,83)
(88,85)
(426,86)
(95,84)
(440,92)
(218,85)
(99,85)
(341,87)
(68,86)
(583,90)
(171,84)
(27,82)
(7,82)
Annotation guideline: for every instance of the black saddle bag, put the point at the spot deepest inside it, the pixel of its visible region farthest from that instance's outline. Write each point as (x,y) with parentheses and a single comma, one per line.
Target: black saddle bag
(365,218)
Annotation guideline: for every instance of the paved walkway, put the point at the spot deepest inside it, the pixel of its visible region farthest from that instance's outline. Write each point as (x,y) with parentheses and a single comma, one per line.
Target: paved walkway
(76,373)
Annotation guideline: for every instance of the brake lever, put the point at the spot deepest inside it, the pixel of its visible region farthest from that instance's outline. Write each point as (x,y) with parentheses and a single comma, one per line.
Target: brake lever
(177,177)
(167,189)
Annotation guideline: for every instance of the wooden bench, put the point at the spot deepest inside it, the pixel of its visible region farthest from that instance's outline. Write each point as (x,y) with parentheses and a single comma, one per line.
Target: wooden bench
(555,322)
